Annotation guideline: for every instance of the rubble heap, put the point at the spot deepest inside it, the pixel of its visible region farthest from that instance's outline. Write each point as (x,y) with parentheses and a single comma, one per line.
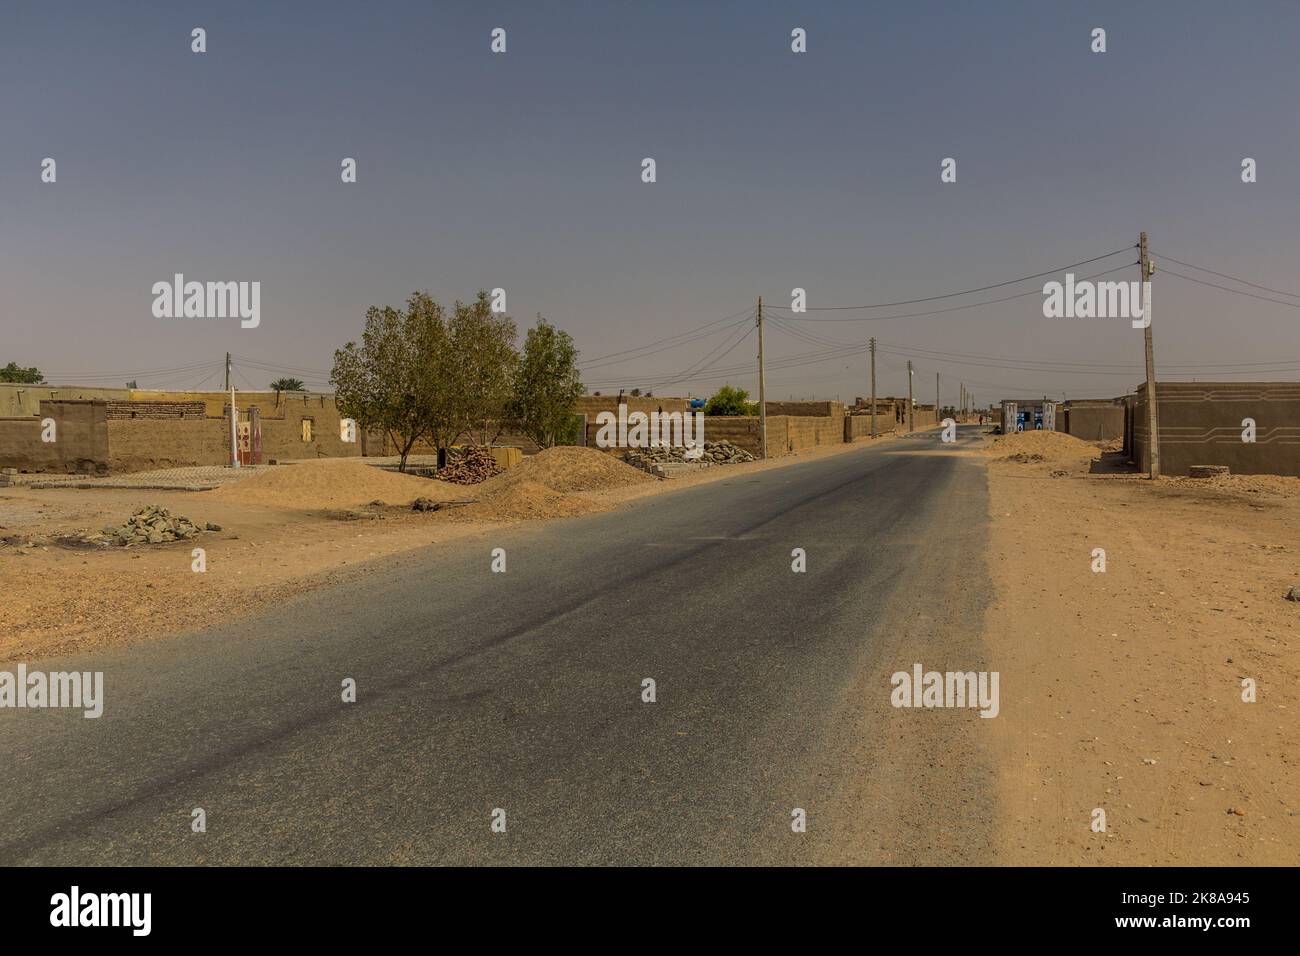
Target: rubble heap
(155,525)
(715,452)
(472,467)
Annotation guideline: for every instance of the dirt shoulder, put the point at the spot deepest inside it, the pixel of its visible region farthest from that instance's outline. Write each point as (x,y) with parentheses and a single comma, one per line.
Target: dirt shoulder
(1122,691)
(284,532)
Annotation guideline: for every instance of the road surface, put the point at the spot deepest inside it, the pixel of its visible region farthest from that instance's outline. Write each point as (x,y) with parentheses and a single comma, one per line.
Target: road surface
(522,691)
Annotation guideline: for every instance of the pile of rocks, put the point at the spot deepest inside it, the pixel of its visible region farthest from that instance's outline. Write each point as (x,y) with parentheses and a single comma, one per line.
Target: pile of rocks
(725,453)
(715,452)
(472,467)
(155,525)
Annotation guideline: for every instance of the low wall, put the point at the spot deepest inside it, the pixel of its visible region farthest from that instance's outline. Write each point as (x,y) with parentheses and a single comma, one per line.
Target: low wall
(804,432)
(858,427)
(1100,420)
(143,444)
(1201,424)
(80,443)
(741,430)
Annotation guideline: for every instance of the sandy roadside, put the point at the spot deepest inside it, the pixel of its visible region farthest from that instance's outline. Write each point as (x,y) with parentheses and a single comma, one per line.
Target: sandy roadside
(1122,691)
(61,599)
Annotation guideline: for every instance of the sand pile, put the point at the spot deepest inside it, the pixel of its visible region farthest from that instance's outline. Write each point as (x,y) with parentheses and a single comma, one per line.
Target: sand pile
(332,484)
(1040,446)
(568,468)
(550,484)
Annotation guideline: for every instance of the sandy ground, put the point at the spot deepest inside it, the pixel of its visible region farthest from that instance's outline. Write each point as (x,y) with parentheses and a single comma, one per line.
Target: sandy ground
(1122,690)
(285,531)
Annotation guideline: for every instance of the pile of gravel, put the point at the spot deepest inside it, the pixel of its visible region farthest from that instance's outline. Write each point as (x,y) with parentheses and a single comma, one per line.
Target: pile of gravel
(715,452)
(154,524)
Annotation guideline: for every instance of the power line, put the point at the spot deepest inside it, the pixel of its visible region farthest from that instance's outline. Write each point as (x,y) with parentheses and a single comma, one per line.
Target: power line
(956,308)
(1224,275)
(1215,285)
(985,288)
(743,315)
(691,372)
(642,353)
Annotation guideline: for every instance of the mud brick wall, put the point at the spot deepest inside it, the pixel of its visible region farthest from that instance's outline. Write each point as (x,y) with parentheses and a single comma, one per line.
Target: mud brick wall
(786,434)
(23,401)
(803,432)
(923,417)
(1200,424)
(741,430)
(805,409)
(142,444)
(858,427)
(592,405)
(1100,420)
(80,445)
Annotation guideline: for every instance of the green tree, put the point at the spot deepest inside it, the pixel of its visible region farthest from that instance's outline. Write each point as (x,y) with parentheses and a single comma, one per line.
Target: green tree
(288,385)
(21,376)
(730,401)
(482,373)
(547,386)
(395,381)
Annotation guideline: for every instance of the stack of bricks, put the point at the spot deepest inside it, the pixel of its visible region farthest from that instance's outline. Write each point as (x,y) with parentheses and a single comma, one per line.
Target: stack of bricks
(188,411)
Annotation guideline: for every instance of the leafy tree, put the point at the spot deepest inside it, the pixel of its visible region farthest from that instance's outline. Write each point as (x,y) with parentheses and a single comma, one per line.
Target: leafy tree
(547,386)
(635,393)
(288,385)
(730,401)
(21,376)
(392,381)
(482,373)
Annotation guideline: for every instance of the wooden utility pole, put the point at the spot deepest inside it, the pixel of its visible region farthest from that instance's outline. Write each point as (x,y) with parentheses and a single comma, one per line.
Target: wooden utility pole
(873,387)
(936,398)
(228,372)
(762,384)
(909,395)
(1153,429)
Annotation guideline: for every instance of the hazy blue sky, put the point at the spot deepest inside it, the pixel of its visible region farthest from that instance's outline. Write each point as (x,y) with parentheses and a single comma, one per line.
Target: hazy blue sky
(775,170)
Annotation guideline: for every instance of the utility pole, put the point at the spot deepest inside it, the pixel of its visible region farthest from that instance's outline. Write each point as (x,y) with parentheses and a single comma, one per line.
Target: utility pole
(873,387)
(936,398)
(909,395)
(234,431)
(1153,429)
(227,371)
(762,385)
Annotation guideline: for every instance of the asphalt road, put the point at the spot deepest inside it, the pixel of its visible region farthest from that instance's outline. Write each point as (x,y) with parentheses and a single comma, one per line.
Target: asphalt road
(523,691)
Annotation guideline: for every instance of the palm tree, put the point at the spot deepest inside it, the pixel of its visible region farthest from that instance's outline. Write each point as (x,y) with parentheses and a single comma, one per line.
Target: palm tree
(288,385)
